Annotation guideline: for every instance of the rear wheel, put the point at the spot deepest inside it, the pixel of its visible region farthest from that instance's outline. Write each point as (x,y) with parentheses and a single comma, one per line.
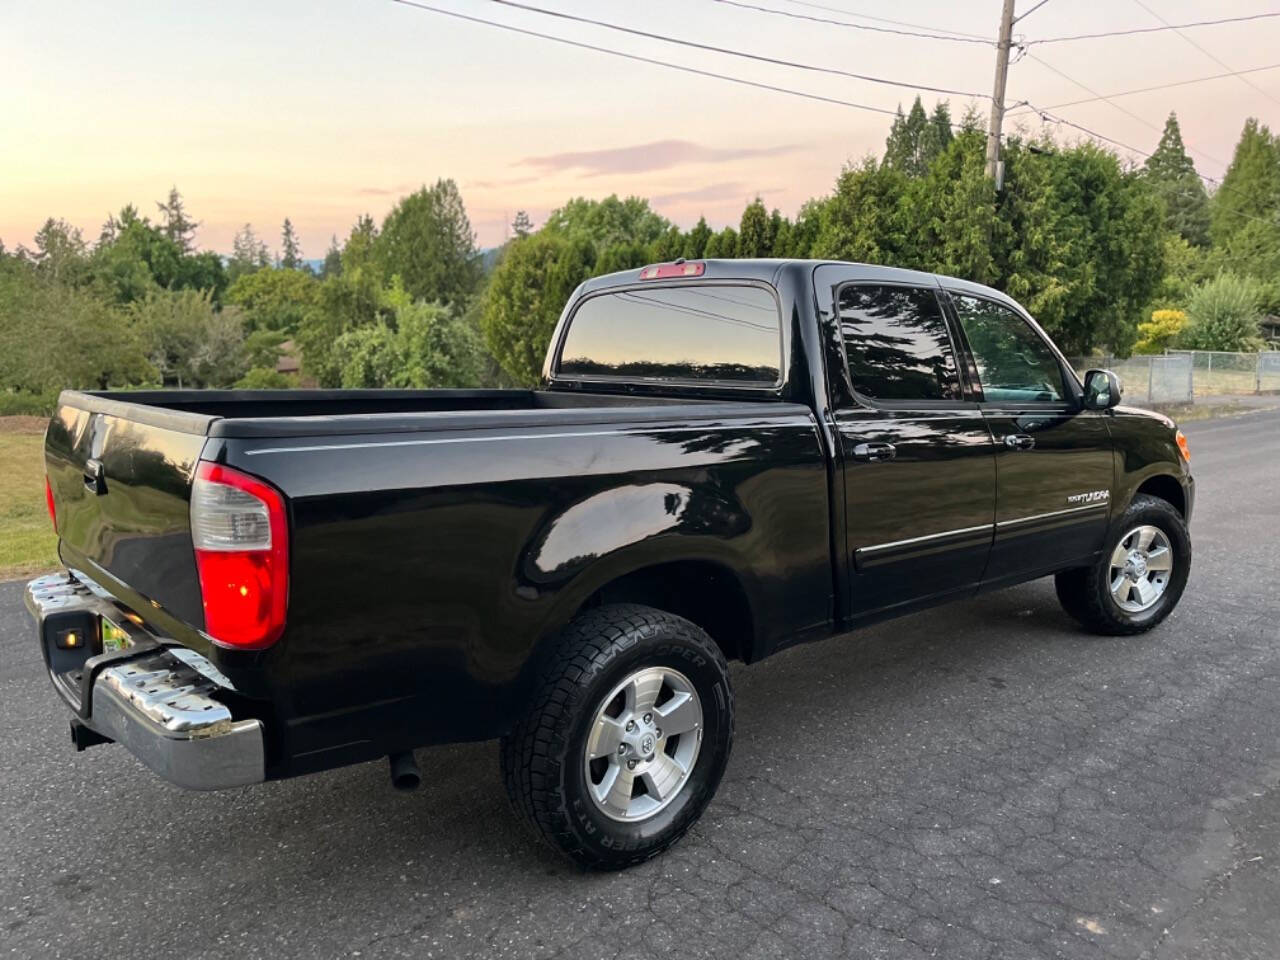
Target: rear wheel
(1140,575)
(627,739)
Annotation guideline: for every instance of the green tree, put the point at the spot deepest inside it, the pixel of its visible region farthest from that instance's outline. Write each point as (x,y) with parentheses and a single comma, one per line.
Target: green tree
(440,347)
(722,245)
(1173,174)
(1250,189)
(669,246)
(189,342)
(265,378)
(1245,212)
(621,256)
(275,299)
(526,294)
(521,226)
(755,236)
(427,241)
(177,226)
(134,257)
(912,142)
(332,260)
(808,225)
(60,251)
(38,315)
(951,213)
(290,249)
(248,253)
(695,244)
(938,135)
(352,297)
(1223,314)
(866,219)
(609,221)
(1079,240)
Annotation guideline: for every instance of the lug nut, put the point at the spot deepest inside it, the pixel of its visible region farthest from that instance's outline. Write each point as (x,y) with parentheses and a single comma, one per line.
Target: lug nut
(631,725)
(631,764)
(622,748)
(657,732)
(648,718)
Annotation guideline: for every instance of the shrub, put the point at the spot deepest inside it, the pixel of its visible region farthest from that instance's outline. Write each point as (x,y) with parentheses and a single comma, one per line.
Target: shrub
(265,378)
(1223,314)
(1160,332)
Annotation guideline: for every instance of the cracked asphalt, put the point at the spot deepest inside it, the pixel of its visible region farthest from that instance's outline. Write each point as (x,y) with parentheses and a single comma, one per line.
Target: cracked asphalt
(979,781)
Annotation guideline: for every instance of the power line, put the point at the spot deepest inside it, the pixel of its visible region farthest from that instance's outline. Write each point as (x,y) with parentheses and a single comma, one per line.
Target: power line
(896,23)
(663,38)
(697,71)
(1125,110)
(854,26)
(1160,86)
(1030,12)
(1219,62)
(1161,29)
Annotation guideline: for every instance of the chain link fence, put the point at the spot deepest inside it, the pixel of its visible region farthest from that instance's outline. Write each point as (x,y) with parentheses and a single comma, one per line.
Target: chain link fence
(1179,376)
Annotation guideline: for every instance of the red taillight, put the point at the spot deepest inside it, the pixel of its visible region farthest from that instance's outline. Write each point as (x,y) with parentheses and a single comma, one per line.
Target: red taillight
(241,537)
(48,502)
(662,271)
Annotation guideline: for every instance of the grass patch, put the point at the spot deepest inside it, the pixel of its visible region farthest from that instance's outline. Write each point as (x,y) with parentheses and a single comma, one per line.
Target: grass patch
(27,541)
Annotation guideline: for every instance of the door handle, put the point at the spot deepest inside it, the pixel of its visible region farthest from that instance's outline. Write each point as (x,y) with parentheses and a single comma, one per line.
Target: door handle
(874,452)
(1019,441)
(94,479)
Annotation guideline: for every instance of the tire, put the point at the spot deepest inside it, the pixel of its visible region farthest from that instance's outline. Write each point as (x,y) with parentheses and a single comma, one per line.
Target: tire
(1087,594)
(604,660)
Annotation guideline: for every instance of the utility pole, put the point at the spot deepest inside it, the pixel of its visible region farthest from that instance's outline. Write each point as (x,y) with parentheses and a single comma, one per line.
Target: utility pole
(994,167)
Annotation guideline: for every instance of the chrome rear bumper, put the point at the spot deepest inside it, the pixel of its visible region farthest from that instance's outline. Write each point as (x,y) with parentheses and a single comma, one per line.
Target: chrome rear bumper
(152,699)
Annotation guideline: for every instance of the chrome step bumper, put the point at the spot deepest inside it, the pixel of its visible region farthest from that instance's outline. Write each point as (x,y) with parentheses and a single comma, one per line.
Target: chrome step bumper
(153,700)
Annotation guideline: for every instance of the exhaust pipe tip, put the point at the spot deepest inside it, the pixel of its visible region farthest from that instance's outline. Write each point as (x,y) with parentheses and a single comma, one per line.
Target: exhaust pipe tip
(405,774)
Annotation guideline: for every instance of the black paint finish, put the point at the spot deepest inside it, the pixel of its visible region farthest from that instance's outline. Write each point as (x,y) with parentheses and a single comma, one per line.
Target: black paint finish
(438,537)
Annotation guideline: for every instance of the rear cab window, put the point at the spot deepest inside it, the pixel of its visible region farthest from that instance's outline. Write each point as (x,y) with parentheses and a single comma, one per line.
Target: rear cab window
(897,344)
(712,333)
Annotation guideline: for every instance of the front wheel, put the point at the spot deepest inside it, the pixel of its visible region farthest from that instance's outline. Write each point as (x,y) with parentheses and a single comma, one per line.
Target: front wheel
(628,736)
(1140,575)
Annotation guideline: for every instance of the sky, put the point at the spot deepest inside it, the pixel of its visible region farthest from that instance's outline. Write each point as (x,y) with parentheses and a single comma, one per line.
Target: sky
(325,110)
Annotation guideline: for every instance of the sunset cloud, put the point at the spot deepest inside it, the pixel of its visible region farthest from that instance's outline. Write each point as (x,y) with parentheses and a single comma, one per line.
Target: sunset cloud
(646,157)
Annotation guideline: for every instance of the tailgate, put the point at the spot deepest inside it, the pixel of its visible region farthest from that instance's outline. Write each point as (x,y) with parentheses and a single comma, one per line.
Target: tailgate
(121,478)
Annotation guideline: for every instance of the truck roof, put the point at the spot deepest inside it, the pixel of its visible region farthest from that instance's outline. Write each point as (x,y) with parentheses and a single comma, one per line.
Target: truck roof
(766,270)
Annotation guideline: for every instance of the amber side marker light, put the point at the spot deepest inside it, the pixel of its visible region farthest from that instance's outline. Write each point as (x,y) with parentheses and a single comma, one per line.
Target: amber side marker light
(1182,445)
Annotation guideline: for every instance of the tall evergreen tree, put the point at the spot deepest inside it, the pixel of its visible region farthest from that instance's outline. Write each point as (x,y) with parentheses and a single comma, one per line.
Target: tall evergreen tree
(1245,211)
(290,250)
(428,242)
(903,147)
(1173,174)
(916,138)
(696,243)
(754,238)
(178,227)
(332,265)
(938,135)
(521,226)
(248,253)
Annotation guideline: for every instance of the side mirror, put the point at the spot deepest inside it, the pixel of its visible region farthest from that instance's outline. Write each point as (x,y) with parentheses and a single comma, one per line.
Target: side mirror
(1102,390)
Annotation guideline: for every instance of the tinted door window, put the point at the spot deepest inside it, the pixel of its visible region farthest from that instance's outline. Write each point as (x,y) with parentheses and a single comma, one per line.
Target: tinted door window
(897,343)
(1014,363)
(704,332)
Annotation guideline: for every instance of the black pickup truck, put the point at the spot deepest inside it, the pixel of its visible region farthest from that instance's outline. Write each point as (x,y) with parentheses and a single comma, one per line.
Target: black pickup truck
(726,458)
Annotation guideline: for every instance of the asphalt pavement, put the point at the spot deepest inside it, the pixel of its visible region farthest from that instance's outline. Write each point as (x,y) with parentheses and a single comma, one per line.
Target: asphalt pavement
(983,780)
